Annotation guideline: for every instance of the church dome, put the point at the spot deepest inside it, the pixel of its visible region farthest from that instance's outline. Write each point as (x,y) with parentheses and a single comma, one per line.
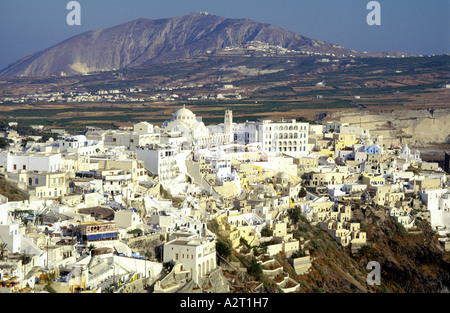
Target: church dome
(183,114)
(406,150)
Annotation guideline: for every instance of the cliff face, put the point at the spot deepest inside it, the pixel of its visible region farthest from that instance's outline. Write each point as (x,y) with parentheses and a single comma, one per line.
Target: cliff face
(144,41)
(416,127)
(409,262)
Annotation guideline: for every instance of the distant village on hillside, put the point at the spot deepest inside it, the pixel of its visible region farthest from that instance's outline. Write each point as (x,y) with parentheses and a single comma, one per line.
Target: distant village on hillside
(119,210)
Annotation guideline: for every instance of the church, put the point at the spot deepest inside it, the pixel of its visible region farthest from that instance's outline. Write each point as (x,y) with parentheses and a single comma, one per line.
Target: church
(196,135)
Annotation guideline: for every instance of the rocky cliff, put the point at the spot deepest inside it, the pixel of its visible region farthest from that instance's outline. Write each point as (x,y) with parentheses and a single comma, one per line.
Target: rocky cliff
(410,262)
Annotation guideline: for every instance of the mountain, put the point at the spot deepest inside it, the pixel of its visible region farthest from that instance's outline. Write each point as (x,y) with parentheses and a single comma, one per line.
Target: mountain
(145,41)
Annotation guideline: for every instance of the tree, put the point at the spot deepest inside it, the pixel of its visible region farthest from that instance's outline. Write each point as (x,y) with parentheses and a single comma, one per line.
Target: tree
(266,231)
(223,249)
(4,143)
(254,269)
(302,193)
(47,136)
(294,214)
(91,247)
(244,242)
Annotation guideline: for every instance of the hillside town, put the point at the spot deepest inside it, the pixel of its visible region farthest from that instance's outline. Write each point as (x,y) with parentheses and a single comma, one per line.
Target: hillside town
(148,208)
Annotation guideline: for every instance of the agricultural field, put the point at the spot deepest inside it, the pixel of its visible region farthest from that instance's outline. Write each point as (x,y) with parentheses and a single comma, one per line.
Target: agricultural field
(272,87)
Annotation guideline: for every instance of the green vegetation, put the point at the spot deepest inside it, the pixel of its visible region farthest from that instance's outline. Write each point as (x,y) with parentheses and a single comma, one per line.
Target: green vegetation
(266,231)
(294,214)
(244,243)
(292,87)
(4,143)
(302,193)
(400,229)
(223,249)
(298,254)
(254,269)
(135,231)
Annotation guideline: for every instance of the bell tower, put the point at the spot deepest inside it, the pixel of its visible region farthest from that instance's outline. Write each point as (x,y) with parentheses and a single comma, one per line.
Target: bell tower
(228,126)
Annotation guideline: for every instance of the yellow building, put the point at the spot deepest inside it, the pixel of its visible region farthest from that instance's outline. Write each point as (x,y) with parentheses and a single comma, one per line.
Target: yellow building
(370,179)
(307,162)
(233,227)
(344,140)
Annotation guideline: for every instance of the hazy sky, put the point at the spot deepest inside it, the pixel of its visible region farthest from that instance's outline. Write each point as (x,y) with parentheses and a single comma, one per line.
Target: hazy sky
(413,26)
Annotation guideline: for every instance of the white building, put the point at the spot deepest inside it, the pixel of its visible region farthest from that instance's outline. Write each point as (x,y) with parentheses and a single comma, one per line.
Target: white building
(408,155)
(334,126)
(197,255)
(117,182)
(438,203)
(126,138)
(9,230)
(38,161)
(143,128)
(185,123)
(222,169)
(127,219)
(79,145)
(163,160)
(288,136)
(12,235)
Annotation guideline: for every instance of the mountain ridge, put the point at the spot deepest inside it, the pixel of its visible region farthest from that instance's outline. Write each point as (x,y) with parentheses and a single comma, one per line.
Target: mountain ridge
(144,41)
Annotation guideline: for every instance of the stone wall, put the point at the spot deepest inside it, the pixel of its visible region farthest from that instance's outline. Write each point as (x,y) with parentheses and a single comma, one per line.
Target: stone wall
(301,265)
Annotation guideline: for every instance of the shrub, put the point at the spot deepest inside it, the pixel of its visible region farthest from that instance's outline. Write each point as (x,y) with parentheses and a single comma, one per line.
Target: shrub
(298,254)
(294,214)
(223,249)
(266,231)
(315,244)
(400,229)
(302,193)
(244,242)
(254,269)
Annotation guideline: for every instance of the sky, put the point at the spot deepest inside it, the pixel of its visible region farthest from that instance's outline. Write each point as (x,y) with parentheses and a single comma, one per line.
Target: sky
(411,26)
